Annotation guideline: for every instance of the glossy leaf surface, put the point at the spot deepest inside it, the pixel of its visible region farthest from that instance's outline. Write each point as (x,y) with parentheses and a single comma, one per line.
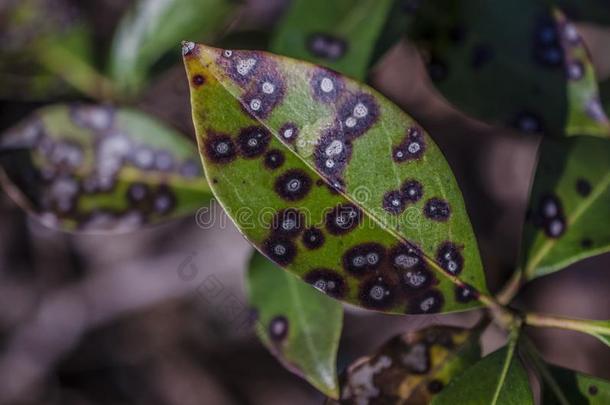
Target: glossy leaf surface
(411,368)
(574,388)
(298,324)
(497,379)
(94,168)
(153,27)
(391,232)
(569,197)
(339,34)
(516,63)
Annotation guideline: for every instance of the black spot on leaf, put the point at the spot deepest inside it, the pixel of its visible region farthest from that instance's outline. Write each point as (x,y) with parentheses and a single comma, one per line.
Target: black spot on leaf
(412,146)
(326,46)
(435,386)
(219,148)
(583,187)
(274,159)
(393,202)
(528,122)
(465,293)
(357,115)
(593,390)
(278,328)
(293,185)
(313,238)
(328,281)
(326,85)
(280,249)
(342,219)
(450,258)
(437,209)
(288,222)
(332,155)
(363,258)
(289,132)
(377,293)
(429,302)
(198,80)
(586,243)
(412,190)
(253,141)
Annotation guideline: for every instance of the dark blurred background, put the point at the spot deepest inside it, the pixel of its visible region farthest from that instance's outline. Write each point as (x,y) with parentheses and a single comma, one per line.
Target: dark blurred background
(108,320)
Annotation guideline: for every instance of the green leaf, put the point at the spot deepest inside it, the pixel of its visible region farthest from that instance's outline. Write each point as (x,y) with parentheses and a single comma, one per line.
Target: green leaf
(339,34)
(94,168)
(518,63)
(411,368)
(569,199)
(573,388)
(152,28)
(497,379)
(297,323)
(267,127)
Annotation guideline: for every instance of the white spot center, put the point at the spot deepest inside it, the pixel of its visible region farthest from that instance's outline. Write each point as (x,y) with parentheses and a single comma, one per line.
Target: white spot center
(255,104)
(279,250)
(294,185)
(377,292)
(268,88)
(360,110)
(244,66)
(222,148)
(335,148)
(414,147)
(351,122)
(327,85)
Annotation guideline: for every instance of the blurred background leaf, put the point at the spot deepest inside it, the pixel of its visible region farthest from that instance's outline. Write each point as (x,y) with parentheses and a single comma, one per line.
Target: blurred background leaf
(497,379)
(339,34)
(571,192)
(152,28)
(516,63)
(95,168)
(572,387)
(298,324)
(411,368)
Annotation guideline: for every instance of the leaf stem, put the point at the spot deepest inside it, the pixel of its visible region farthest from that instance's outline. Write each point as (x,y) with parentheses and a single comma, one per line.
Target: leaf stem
(511,288)
(512,345)
(579,325)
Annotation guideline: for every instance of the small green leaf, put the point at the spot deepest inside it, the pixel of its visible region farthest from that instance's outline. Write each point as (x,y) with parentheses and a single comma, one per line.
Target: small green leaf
(152,28)
(411,368)
(573,388)
(497,379)
(333,182)
(518,63)
(571,193)
(93,168)
(298,324)
(339,34)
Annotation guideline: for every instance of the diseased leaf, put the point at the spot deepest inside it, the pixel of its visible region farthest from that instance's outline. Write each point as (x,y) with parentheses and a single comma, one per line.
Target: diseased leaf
(571,192)
(518,63)
(297,323)
(411,368)
(573,388)
(333,182)
(339,34)
(93,168)
(153,27)
(497,379)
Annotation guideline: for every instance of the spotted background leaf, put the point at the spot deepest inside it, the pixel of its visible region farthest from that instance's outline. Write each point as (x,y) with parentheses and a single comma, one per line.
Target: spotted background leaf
(339,34)
(94,168)
(575,389)
(571,192)
(516,63)
(497,379)
(152,28)
(297,323)
(333,182)
(411,368)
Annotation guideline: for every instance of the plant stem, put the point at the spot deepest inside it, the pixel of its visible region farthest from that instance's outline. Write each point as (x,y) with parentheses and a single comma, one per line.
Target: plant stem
(580,325)
(511,288)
